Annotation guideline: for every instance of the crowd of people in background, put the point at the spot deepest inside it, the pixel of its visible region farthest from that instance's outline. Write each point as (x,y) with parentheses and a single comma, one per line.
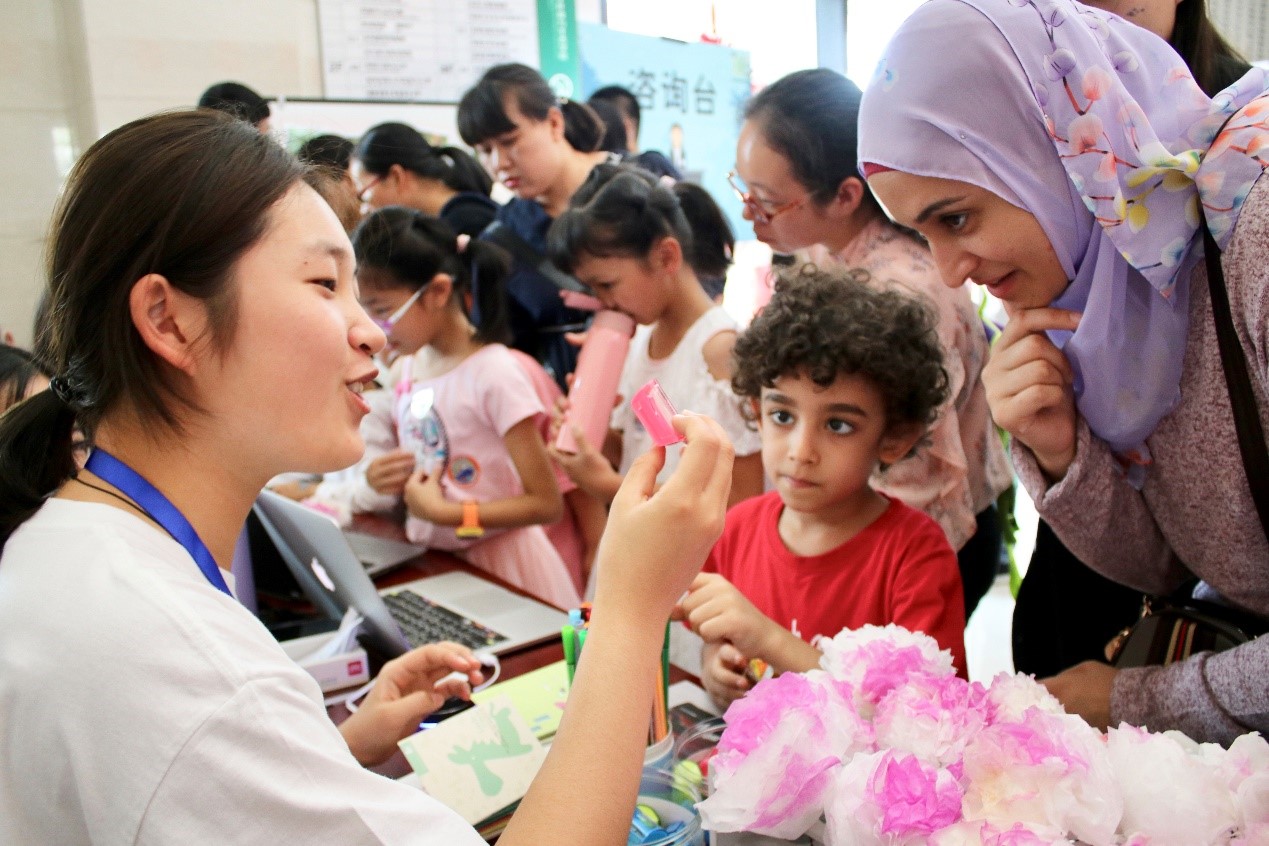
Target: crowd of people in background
(862,428)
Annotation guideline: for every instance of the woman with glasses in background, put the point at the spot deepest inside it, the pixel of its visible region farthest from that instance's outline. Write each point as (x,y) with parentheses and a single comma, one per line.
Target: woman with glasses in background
(797,175)
(394,165)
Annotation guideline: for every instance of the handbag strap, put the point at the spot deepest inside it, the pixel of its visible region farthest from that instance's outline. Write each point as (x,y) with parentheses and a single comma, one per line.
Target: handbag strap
(1251,435)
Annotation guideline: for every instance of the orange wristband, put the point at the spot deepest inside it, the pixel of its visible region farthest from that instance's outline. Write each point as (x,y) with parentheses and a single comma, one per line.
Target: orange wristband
(470,527)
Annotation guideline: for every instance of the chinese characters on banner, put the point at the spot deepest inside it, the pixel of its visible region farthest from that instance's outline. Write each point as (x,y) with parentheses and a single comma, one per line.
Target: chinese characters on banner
(691,97)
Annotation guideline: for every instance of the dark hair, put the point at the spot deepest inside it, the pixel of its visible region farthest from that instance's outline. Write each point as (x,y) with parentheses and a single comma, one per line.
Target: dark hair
(335,187)
(333,151)
(391,144)
(183,194)
(626,103)
(822,324)
(811,118)
(618,211)
(614,140)
(234,98)
(414,247)
(482,113)
(712,238)
(17,368)
(1213,60)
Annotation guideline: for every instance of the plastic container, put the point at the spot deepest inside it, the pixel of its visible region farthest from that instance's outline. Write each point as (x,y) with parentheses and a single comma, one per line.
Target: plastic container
(672,803)
(660,755)
(595,382)
(693,750)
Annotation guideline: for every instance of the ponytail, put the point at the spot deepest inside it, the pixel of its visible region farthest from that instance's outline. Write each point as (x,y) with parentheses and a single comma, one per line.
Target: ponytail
(389,144)
(712,239)
(413,248)
(36,456)
(583,128)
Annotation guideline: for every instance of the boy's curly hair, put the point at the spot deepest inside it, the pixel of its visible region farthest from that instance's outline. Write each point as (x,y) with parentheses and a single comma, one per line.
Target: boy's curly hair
(825,323)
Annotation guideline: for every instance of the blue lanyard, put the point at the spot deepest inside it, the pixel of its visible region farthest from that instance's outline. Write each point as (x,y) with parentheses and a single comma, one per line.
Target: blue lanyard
(160,509)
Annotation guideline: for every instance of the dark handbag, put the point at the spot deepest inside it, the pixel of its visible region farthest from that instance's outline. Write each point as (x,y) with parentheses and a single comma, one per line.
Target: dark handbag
(1174,628)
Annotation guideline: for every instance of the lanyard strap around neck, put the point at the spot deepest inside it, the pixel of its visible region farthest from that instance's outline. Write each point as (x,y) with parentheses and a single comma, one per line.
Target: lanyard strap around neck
(160,509)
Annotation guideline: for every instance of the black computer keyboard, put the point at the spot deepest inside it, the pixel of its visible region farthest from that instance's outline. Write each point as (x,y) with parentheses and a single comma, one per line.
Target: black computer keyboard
(426,622)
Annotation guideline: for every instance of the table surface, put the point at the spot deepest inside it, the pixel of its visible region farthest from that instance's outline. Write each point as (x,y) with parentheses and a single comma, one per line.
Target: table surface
(433,563)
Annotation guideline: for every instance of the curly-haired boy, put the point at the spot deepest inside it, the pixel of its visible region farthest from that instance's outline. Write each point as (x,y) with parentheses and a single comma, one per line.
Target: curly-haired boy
(842,378)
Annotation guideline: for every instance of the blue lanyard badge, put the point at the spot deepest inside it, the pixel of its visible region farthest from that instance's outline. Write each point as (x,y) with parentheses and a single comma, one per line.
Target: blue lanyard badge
(160,509)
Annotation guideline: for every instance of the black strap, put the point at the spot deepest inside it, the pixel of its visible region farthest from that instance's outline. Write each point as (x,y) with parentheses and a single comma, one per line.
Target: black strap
(504,237)
(1251,435)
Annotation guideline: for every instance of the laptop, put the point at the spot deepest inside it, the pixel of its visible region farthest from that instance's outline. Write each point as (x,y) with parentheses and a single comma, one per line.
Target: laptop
(455,606)
(379,555)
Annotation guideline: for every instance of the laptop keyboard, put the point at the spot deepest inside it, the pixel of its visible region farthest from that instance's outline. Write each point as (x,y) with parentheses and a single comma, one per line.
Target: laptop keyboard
(426,622)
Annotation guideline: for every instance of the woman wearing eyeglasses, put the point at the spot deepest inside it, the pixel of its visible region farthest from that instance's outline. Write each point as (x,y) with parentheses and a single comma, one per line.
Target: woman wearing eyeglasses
(797,175)
(394,165)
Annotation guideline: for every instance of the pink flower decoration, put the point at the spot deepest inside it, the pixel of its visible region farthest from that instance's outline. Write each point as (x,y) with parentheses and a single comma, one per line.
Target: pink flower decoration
(1084,133)
(1096,83)
(914,798)
(932,718)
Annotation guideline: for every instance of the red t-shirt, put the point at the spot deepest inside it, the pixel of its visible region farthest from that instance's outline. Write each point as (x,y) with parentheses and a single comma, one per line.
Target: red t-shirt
(899,569)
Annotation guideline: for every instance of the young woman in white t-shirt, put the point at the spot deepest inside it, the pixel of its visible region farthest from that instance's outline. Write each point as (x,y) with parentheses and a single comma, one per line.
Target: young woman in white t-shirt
(627,237)
(204,332)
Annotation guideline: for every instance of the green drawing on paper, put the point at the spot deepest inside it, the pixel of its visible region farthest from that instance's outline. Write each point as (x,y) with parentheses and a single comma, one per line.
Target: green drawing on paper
(509,745)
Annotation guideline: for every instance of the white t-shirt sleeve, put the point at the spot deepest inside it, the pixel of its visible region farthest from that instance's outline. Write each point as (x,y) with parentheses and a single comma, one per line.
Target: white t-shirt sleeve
(267,767)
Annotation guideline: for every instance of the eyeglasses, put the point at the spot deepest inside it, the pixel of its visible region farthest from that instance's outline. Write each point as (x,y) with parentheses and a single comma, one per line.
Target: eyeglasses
(387,323)
(760,212)
(363,195)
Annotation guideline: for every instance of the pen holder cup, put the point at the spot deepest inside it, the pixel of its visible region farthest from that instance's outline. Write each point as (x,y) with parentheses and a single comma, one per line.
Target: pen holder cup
(693,750)
(659,755)
(666,813)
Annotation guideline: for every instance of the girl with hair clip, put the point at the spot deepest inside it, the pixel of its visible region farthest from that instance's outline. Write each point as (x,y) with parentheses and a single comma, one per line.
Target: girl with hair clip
(194,394)
(802,190)
(627,238)
(394,165)
(542,149)
(1075,181)
(464,449)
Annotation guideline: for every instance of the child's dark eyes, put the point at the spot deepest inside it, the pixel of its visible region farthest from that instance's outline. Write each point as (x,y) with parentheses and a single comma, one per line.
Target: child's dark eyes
(780,416)
(839,427)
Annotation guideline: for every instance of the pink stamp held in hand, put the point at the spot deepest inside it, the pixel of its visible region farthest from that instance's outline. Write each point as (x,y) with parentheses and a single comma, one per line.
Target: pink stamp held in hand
(653,408)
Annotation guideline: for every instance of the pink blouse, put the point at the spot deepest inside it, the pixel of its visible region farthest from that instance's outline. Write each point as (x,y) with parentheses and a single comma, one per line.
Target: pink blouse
(962,468)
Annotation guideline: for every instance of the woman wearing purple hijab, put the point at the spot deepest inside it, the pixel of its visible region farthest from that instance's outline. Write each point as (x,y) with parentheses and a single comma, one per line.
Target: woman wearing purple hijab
(1060,156)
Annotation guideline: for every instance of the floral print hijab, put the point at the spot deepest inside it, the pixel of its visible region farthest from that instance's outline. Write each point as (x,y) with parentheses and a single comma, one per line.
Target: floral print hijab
(1095,127)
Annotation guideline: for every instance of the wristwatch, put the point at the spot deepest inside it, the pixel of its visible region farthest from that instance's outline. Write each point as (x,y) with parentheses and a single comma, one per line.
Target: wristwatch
(470,527)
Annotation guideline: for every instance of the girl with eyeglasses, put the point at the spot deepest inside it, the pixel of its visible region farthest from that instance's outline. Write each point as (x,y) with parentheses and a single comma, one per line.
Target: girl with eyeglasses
(461,443)
(203,328)
(394,165)
(542,148)
(801,188)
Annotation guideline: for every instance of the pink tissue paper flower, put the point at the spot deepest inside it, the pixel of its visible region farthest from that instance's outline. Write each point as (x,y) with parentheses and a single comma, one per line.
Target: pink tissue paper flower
(931,717)
(784,739)
(1171,794)
(875,660)
(1046,771)
(890,799)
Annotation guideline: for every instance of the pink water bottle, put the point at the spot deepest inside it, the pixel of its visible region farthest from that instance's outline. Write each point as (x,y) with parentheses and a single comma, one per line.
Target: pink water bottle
(595,381)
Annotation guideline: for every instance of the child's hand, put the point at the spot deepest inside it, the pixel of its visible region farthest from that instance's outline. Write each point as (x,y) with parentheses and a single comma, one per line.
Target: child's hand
(425,500)
(587,467)
(655,542)
(723,673)
(405,691)
(388,473)
(719,613)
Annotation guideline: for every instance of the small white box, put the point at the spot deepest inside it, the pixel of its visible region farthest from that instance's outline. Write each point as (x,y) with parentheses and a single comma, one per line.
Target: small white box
(332,672)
